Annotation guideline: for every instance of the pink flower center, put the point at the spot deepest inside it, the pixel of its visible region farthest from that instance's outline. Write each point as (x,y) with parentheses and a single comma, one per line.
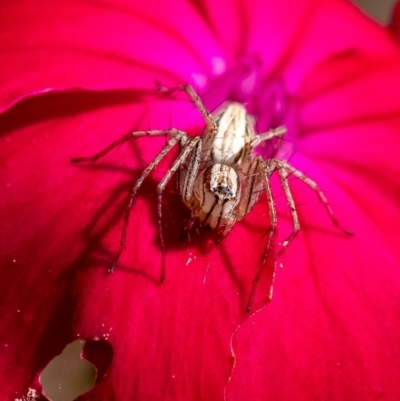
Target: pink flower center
(265,98)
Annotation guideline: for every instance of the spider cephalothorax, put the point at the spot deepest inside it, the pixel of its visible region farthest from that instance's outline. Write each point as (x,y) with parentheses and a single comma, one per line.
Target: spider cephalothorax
(220,176)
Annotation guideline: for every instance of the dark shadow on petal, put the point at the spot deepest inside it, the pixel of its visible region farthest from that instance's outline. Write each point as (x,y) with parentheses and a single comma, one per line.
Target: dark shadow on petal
(58,330)
(63,104)
(100,353)
(109,217)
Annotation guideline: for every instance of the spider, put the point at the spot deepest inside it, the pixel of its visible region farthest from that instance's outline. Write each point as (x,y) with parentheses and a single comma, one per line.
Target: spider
(220,178)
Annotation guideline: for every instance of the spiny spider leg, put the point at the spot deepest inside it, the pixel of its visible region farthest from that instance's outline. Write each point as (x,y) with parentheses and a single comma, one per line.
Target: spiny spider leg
(273,223)
(185,153)
(176,136)
(192,171)
(250,170)
(278,132)
(314,186)
(277,145)
(211,125)
(210,121)
(252,188)
(186,184)
(127,137)
(164,151)
(283,175)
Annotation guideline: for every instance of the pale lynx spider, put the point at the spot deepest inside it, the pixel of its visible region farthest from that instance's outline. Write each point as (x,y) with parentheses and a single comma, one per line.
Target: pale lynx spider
(220,176)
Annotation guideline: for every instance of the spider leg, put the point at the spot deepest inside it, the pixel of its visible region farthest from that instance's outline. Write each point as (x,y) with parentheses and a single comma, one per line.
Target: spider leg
(187,149)
(138,183)
(186,185)
(210,121)
(273,223)
(313,185)
(283,174)
(252,186)
(125,138)
(273,133)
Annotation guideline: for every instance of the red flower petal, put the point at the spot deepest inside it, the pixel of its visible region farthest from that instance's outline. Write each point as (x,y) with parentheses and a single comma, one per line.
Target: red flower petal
(328,334)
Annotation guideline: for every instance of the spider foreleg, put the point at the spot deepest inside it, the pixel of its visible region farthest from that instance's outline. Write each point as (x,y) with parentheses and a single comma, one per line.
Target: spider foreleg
(314,186)
(278,132)
(283,174)
(138,183)
(268,247)
(210,121)
(253,186)
(125,138)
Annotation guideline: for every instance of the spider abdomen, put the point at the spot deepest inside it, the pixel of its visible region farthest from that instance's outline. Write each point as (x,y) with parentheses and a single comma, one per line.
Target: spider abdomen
(233,132)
